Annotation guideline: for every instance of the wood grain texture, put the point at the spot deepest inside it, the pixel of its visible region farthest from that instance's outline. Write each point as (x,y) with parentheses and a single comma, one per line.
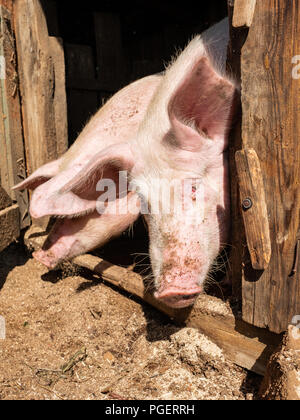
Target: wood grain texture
(37,83)
(5,200)
(271,126)
(82,86)
(12,158)
(239,248)
(255,217)
(110,63)
(243,13)
(60,96)
(9,225)
(8,4)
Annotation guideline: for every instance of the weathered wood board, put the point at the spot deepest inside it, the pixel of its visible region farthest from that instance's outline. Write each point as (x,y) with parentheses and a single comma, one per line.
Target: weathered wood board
(110,63)
(270,99)
(254,208)
(60,98)
(9,225)
(82,86)
(243,13)
(37,82)
(5,200)
(12,159)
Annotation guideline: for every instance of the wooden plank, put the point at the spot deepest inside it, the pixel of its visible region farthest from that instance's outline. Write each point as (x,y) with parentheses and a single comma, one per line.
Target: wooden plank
(37,82)
(282,379)
(5,200)
(238,236)
(9,225)
(82,102)
(11,137)
(8,4)
(60,96)
(80,62)
(110,63)
(83,83)
(254,208)
(271,126)
(243,13)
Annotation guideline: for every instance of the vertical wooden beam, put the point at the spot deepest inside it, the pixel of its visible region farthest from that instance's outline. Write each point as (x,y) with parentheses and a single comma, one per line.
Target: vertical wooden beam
(60,97)
(12,160)
(9,225)
(37,82)
(243,13)
(110,63)
(271,126)
(238,237)
(82,103)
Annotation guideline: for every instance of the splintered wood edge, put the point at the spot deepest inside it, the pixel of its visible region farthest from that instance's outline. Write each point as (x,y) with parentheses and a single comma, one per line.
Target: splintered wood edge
(243,13)
(247,346)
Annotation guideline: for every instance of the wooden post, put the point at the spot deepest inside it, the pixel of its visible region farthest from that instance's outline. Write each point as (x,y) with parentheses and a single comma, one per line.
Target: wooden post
(81,81)
(12,160)
(110,63)
(60,98)
(9,225)
(36,72)
(271,126)
(41,85)
(243,13)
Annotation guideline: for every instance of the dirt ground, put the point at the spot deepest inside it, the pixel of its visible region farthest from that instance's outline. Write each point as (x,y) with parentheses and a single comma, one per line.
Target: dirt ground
(70,336)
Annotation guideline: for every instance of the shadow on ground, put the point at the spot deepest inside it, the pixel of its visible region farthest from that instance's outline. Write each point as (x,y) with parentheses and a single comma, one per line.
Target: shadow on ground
(14,255)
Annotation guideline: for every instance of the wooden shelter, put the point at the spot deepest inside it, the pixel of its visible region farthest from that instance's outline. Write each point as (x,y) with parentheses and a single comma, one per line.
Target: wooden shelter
(62,64)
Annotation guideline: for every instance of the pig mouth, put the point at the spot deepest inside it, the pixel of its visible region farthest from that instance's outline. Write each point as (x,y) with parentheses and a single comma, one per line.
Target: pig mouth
(176,299)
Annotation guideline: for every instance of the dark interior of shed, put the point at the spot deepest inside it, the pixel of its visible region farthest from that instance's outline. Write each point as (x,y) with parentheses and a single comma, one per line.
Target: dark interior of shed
(142,37)
(107,45)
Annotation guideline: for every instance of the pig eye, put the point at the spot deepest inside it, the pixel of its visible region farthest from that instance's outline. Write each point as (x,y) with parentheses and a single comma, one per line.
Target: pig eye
(194,191)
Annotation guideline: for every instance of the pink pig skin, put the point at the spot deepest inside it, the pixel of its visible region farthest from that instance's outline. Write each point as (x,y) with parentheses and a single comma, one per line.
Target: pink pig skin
(71,237)
(116,123)
(184,136)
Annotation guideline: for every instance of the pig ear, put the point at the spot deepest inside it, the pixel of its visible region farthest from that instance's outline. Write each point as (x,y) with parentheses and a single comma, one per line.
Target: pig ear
(117,155)
(40,176)
(202,106)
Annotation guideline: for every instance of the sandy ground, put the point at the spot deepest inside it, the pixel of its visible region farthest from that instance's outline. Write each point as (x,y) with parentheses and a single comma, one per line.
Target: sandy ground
(70,336)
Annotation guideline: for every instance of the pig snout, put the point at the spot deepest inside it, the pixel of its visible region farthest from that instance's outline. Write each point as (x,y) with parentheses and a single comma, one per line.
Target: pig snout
(178,298)
(49,259)
(178,289)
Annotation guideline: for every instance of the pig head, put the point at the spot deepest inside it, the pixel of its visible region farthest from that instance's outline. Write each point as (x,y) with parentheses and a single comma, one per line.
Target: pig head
(181,143)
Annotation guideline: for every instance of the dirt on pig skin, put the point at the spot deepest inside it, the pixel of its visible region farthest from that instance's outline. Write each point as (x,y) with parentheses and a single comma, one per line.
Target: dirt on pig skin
(70,336)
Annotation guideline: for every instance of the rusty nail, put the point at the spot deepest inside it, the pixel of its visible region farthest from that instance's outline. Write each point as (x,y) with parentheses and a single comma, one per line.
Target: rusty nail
(247,203)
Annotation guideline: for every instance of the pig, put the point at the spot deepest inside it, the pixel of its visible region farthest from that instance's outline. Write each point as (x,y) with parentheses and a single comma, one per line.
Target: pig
(183,137)
(80,228)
